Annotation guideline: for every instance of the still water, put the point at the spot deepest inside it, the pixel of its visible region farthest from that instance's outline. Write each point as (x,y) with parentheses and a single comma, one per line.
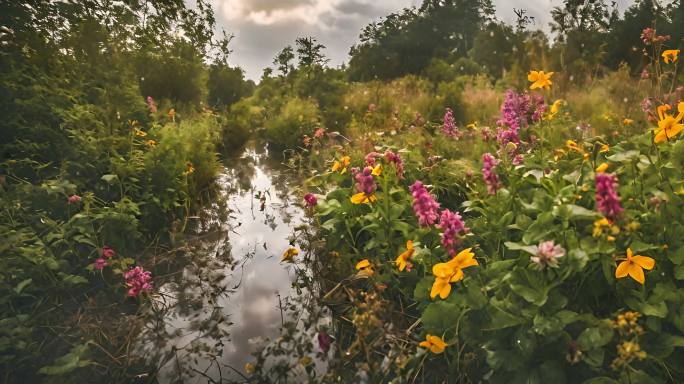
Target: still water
(226,302)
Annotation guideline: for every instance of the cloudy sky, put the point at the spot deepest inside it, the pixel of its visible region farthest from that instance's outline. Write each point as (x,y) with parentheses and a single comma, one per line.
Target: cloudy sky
(264,27)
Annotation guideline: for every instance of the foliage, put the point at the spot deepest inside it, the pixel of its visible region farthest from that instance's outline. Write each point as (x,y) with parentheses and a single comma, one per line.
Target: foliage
(296,118)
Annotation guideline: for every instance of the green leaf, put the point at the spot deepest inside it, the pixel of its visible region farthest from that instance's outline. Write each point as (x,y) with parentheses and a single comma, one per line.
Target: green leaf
(679,272)
(440,316)
(531,249)
(23,284)
(109,179)
(677,257)
(529,286)
(577,212)
(577,259)
(69,362)
(595,337)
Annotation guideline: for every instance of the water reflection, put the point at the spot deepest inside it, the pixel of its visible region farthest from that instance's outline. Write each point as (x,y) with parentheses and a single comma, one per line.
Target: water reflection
(213,313)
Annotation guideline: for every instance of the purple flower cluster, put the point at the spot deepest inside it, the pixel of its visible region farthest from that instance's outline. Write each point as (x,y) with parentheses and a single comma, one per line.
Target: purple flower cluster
(364,181)
(607,199)
(517,112)
(392,157)
(371,157)
(452,226)
(424,204)
(138,280)
(449,128)
(488,173)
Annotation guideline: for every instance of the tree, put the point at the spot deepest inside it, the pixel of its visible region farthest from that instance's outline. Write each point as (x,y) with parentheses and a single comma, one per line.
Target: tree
(309,53)
(284,60)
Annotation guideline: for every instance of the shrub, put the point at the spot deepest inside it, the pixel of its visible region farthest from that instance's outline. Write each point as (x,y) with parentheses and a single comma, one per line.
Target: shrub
(296,118)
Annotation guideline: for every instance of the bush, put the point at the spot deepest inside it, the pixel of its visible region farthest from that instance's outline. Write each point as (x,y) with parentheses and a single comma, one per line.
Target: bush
(296,118)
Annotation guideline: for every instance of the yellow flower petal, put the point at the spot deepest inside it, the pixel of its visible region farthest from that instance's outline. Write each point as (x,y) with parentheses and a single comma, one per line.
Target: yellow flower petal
(363,264)
(644,262)
(377,170)
(602,168)
(636,273)
(622,270)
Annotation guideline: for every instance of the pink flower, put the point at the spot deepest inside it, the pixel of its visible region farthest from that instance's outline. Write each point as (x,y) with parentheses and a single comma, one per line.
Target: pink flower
(452,226)
(324,341)
(151,105)
(108,252)
(398,163)
(99,263)
(364,181)
(607,199)
(319,133)
(449,127)
(371,157)
(73,199)
(489,174)
(310,200)
(547,254)
(138,280)
(424,204)
(372,107)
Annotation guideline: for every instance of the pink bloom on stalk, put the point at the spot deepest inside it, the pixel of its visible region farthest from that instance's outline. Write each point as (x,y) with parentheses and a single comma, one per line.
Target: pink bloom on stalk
(449,128)
(138,280)
(372,107)
(424,204)
(310,200)
(364,181)
(547,254)
(151,105)
(108,252)
(398,163)
(99,263)
(73,199)
(489,174)
(607,199)
(452,226)
(371,157)
(318,133)
(518,159)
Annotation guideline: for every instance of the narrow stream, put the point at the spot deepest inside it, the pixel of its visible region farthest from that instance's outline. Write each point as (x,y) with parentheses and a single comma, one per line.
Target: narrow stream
(226,302)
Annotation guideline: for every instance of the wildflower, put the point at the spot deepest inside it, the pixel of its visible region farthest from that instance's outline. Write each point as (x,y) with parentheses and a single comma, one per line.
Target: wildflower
(607,199)
(604,148)
(424,204)
(324,341)
(472,125)
(434,343)
(365,185)
(99,263)
(318,133)
(73,199)
(627,121)
(540,79)
(488,173)
(450,272)
(151,143)
(547,254)
(172,114)
(403,259)
(627,323)
(449,127)
(555,108)
(604,223)
(306,140)
(602,168)
(365,268)
(108,252)
(139,132)
(452,225)
(372,108)
(649,36)
(634,267)
(341,164)
(371,157)
(377,170)
(289,254)
(573,146)
(670,55)
(151,105)
(517,112)
(138,280)
(669,126)
(189,169)
(310,200)
(397,161)
(249,368)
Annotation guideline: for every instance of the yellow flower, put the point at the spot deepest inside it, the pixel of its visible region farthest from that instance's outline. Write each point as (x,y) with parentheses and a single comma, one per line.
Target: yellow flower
(604,148)
(602,168)
(377,170)
(139,132)
(627,121)
(363,198)
(341,165)
(669,126)
(572,145)
(539,79)
(434,343)
(249,368)
(402,259)
(365,267)
(151,143)
(634,267)
(670,55)
(450,272)
(189,169)
(472,125)
(289,254)
(599,225)
(555,108)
